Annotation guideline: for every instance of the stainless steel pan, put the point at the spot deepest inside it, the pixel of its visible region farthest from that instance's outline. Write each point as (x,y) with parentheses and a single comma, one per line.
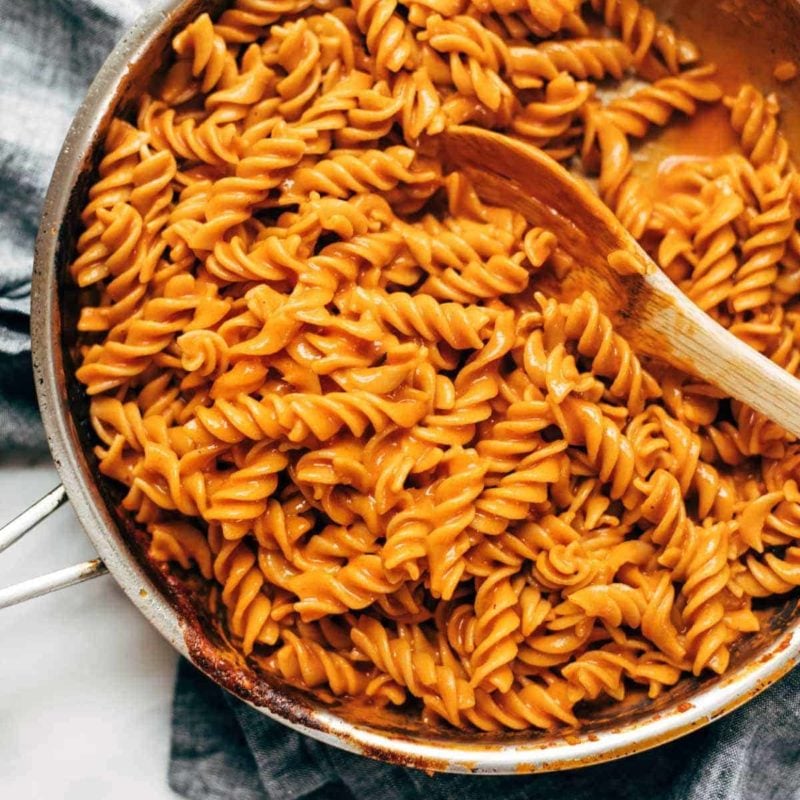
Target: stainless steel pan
(171,604)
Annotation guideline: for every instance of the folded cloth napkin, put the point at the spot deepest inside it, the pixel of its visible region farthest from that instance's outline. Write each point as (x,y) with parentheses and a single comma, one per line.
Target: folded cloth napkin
(49,52)
(221,748)
(224,750)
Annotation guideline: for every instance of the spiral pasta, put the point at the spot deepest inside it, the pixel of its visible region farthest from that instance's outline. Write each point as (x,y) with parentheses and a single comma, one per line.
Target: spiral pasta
(333,383)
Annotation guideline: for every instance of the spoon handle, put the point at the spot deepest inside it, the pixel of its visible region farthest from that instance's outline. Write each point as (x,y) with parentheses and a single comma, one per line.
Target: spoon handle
(668,325)
(645,306)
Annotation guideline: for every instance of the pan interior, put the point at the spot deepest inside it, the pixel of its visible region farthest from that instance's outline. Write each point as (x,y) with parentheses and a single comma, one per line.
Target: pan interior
(724,29)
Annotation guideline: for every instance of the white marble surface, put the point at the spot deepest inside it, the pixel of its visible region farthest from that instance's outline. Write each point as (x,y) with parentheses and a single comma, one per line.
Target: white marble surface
(85,681)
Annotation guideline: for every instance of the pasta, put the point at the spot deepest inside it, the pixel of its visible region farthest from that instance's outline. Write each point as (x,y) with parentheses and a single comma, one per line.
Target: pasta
(332,381)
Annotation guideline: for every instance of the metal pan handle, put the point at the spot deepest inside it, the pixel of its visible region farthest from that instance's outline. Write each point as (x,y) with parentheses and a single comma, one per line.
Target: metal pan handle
(44,584)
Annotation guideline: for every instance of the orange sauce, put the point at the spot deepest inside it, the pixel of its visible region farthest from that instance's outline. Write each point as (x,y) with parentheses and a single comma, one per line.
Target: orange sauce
(746,39)
(706,135)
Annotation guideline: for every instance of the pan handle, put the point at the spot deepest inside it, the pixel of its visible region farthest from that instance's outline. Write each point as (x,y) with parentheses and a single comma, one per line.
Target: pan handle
(60,579)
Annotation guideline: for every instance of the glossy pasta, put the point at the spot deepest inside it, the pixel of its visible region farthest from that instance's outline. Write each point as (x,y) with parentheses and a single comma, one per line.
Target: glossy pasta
(333,383)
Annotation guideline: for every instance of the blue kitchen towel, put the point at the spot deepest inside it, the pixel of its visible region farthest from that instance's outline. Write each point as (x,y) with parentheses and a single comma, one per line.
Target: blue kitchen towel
(221,748)
(49,51)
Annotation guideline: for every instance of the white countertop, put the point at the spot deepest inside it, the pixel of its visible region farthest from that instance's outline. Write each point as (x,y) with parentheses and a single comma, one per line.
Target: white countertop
(85,681)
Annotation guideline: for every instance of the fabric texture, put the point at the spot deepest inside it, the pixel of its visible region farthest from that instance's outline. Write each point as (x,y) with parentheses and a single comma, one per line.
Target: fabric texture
(49,52)
(221,748)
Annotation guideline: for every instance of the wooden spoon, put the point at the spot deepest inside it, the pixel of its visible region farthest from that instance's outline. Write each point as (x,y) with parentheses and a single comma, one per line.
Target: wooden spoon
(645,306)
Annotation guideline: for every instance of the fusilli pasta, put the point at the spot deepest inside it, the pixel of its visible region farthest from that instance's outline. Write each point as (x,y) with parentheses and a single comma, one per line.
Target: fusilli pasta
(331,380)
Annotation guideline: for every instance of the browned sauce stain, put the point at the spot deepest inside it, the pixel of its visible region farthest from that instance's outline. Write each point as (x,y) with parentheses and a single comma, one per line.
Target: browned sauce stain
(685,706)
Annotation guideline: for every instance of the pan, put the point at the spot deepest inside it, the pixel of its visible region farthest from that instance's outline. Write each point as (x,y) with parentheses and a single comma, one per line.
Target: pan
(173,602)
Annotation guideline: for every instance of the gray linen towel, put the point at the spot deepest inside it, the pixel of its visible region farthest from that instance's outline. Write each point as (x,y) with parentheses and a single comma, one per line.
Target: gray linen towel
(221,748)
(49,52)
